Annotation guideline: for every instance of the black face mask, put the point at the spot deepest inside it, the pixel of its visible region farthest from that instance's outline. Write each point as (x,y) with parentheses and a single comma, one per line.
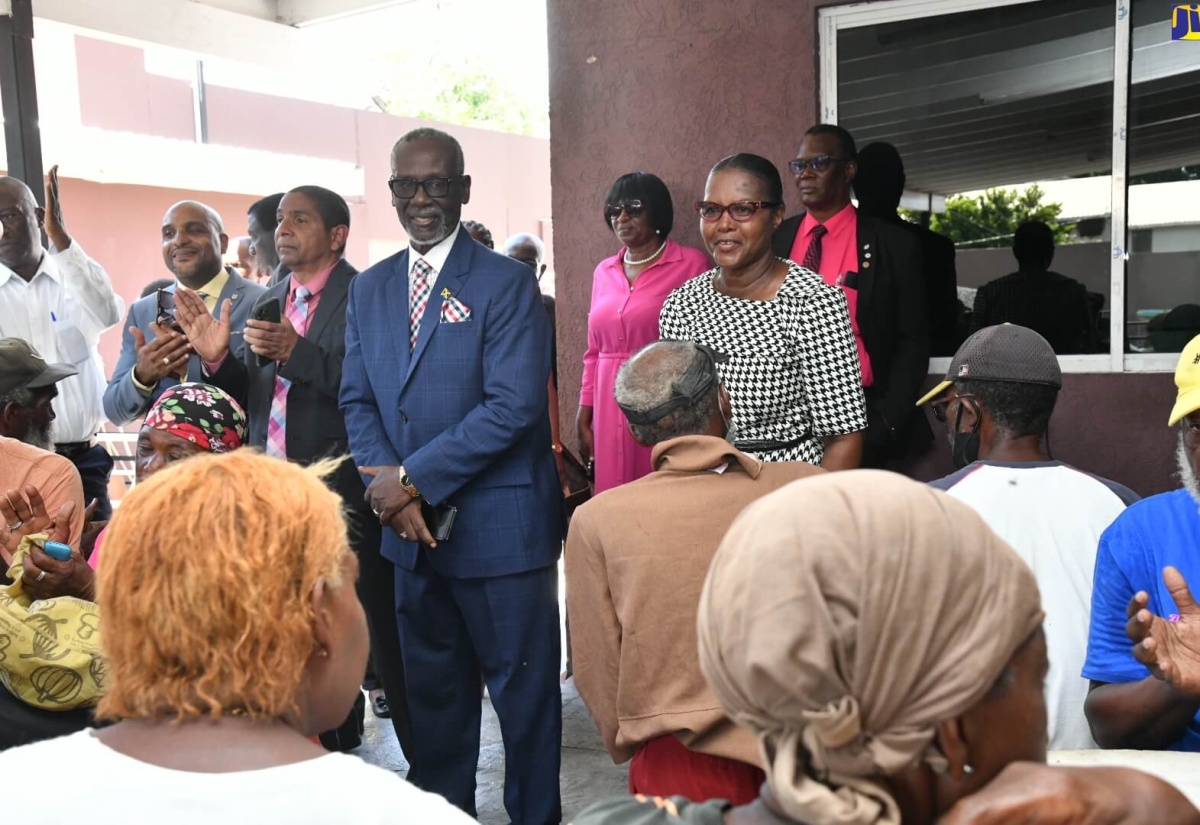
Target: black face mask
(966,445)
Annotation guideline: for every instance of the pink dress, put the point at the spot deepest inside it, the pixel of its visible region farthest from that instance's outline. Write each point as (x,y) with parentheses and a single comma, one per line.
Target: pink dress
(622,320)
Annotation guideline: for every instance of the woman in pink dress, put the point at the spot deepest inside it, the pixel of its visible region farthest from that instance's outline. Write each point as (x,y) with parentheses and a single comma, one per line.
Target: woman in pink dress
(628,291)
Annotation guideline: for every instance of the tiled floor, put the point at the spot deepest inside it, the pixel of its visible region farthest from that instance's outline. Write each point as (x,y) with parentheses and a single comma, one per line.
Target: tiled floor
(587,773)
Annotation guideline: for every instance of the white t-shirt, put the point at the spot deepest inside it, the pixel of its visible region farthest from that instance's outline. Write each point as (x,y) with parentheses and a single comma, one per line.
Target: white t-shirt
(90,782)
(1053,516)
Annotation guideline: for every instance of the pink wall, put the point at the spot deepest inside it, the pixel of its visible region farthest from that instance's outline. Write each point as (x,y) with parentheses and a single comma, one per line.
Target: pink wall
(119,224)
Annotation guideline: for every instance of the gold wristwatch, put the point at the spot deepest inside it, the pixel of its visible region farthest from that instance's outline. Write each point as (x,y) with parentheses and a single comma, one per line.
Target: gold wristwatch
(407,485)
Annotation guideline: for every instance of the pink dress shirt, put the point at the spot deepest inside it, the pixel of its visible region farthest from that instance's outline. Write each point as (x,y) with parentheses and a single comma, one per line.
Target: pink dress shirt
(622,320)
(839,255)
(315,286)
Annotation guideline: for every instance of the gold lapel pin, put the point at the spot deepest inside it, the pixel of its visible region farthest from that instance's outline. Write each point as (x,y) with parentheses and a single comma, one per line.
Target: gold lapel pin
(446,294)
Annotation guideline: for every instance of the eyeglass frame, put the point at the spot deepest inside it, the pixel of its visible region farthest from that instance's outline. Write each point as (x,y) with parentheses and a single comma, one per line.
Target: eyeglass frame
(810,163)
(422,184)
(758,207)
(634,207)
(941,406)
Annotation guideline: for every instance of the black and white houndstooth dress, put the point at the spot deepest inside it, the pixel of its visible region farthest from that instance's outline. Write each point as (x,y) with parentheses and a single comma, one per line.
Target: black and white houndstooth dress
(793,370)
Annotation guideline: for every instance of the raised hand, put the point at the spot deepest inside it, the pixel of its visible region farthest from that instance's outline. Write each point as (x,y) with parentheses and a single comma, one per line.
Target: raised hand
(207,335)
(56,228)
(1169,647)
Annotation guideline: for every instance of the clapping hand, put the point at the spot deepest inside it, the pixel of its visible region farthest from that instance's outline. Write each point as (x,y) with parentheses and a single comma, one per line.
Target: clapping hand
(207,335)
(1169,647)
(164,355)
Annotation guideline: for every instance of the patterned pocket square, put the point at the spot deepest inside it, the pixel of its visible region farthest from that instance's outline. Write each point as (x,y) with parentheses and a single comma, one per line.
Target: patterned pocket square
(454,311)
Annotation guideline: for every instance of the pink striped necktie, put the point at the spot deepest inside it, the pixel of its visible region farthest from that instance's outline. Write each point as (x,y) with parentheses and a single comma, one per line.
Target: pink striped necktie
(277,424)
(419,289)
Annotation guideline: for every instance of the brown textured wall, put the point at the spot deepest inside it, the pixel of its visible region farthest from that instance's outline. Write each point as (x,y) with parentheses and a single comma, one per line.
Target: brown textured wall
(669,87)
(672,86)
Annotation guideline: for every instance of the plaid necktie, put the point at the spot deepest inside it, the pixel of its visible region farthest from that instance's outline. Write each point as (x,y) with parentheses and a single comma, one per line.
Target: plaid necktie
(419,289)
(812,255)
(277,423)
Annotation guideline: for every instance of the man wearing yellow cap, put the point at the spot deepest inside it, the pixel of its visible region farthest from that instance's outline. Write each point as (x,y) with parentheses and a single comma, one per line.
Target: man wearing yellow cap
(1127,706)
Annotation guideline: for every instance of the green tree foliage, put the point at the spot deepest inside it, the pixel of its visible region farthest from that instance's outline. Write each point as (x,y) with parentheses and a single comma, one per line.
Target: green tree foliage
(458,92)
(990,219)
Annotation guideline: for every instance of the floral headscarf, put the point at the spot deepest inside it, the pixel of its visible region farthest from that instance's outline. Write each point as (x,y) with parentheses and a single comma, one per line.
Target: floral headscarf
(202,414)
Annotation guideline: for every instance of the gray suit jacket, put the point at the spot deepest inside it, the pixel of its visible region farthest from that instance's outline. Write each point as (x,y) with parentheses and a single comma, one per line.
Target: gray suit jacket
(124,402)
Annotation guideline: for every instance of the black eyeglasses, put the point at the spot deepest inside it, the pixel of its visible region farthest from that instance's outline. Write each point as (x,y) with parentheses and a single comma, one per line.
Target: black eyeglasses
(405,188)
(818,164)
(740,211)
(633,209)
(942,404)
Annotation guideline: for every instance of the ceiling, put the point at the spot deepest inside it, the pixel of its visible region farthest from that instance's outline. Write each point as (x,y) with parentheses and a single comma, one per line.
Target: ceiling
(273,33)
(1019,93)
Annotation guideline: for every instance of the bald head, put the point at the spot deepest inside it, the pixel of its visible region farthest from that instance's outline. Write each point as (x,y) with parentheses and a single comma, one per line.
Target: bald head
(673,389)
(21,218)
(193,243)
(528,249)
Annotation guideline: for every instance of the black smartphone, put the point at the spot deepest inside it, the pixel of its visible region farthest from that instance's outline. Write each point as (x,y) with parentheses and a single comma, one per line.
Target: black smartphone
(268,310)
(440,519)
(166,311)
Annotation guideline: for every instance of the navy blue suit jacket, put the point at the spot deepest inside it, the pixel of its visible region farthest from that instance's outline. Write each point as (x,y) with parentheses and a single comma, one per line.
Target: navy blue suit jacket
(465,413)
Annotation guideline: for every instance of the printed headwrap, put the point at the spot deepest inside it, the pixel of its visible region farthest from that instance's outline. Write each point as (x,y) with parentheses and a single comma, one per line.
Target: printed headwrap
(843,617)
(202,414)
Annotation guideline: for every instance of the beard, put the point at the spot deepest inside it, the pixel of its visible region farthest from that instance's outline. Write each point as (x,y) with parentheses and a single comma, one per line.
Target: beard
(1187,473)
(431,236)
(39,436)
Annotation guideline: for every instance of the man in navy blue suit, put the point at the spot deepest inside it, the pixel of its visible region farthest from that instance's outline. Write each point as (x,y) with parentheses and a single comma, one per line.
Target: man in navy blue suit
(444,393)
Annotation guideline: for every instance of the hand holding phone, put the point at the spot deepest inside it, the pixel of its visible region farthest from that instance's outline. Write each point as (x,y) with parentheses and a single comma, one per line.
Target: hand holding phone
(57,550)
(271,312)
(166,310)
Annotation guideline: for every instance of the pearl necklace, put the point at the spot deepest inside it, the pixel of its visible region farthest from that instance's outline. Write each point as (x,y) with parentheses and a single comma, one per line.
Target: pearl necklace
(657,252)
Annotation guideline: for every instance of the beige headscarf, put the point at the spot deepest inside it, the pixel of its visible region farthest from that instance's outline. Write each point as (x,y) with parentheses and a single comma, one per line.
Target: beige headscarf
(843,617)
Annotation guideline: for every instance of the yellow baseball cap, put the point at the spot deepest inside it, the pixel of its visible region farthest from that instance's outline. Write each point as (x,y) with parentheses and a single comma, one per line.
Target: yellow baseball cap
(1187,379)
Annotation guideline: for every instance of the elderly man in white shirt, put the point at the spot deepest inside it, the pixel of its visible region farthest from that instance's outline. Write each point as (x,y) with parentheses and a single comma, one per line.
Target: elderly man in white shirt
(59,300)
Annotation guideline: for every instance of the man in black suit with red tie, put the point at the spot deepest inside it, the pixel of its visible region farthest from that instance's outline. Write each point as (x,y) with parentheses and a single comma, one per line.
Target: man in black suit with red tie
(878,267)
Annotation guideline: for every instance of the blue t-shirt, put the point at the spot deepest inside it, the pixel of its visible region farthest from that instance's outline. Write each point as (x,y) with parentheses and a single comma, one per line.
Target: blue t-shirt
(1156,532)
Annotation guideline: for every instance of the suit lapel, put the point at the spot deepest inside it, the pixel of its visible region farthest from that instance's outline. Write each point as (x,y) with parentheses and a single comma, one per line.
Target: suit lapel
(448,281)
(333,299)
(868,263)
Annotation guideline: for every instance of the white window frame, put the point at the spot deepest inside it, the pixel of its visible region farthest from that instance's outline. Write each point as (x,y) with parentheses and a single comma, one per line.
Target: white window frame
(832,19)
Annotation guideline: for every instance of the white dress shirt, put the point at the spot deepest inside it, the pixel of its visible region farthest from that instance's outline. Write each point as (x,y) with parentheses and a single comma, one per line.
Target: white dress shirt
(62,312)
(435,257)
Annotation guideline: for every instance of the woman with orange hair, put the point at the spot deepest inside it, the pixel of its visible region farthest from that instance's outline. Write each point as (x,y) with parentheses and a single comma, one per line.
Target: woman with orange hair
(221,663)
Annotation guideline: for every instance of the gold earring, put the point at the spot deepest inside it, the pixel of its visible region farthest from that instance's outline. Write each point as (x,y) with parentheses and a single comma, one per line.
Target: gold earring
(323,653)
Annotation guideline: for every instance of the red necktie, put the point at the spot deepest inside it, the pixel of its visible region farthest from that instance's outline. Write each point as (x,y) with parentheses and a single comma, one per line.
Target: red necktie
(812,256)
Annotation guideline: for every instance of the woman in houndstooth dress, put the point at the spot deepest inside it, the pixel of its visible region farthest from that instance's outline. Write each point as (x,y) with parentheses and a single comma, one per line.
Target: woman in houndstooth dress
(792,371)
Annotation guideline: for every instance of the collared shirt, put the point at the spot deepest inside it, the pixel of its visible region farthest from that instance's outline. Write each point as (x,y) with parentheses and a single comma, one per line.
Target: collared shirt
(636,560)
(61,311)
(213,289)
(435,257)
(839,256)
(315,286)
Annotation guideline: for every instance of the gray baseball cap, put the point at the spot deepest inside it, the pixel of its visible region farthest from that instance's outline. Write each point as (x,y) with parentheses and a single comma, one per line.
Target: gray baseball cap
(1005,352)
(21,366)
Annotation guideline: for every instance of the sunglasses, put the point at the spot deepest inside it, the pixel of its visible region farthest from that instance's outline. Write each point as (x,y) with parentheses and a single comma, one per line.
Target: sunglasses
(633,209)
(818,164)
(405,188)
(740,211)
(943,404)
